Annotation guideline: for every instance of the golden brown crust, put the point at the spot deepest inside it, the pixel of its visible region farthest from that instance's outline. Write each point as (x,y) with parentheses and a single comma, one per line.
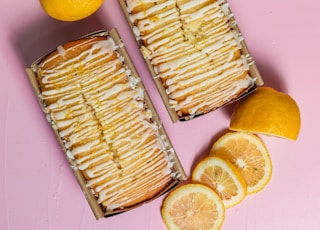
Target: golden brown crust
(99,112)
(195,53)
(70,52)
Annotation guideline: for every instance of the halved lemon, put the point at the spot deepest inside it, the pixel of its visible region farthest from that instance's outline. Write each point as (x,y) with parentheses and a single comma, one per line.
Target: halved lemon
(249,155)
(267,111)
(223,178)
(192,207)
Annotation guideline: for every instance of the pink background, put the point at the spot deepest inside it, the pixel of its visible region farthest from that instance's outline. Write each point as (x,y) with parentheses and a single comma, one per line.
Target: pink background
(37,187)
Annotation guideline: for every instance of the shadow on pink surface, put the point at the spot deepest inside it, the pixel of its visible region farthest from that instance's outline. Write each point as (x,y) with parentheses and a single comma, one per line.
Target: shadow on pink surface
(204,152)
(34,41)
(270,77)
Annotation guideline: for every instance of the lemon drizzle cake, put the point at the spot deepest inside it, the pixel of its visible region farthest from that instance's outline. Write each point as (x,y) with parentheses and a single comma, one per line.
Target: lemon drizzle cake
(194,50)
(105,122)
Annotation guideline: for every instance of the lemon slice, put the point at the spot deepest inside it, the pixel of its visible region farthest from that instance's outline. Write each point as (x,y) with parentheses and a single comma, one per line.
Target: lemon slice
(267,111)
(249,155)
(193,206)
(223,178)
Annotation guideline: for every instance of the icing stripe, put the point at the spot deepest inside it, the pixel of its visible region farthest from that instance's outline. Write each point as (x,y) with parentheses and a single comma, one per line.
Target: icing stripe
(196,61)
(98,108)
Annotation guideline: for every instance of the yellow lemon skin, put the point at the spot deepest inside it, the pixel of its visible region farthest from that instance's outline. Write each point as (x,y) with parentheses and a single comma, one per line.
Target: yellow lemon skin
(267,111)
(70,10)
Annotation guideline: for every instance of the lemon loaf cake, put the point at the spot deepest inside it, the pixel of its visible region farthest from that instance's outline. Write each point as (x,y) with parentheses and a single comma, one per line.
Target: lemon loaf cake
(194,50)
(108,128)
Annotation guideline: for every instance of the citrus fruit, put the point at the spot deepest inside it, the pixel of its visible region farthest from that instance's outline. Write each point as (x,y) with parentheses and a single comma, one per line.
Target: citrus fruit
(267,111)
(70,10)
(223,178)
(192,207)
(249,155)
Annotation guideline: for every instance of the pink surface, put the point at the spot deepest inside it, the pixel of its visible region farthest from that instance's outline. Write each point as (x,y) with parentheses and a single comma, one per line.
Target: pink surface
(38,189)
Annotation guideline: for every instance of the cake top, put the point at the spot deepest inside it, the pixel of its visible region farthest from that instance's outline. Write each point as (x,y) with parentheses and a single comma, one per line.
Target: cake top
(194,51)
(106,122)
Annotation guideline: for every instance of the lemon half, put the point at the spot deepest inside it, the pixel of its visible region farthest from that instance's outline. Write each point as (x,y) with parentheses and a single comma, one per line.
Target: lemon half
(267,111)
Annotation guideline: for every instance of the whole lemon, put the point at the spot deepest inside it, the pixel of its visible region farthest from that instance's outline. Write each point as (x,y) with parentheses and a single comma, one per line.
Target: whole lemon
(70,10)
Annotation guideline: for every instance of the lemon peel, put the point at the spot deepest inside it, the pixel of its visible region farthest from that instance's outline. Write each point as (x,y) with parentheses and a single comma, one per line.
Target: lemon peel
(70,10)
(267,111)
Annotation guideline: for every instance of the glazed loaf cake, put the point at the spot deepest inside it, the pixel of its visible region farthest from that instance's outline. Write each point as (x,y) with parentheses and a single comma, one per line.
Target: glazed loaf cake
(194,50)
(108,128)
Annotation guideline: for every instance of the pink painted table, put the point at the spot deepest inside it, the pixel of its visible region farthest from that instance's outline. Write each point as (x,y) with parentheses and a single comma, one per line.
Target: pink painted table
(37,188)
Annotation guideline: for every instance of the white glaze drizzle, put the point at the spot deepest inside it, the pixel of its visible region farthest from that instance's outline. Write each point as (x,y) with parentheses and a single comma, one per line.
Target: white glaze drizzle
(200,63)
(98,108)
